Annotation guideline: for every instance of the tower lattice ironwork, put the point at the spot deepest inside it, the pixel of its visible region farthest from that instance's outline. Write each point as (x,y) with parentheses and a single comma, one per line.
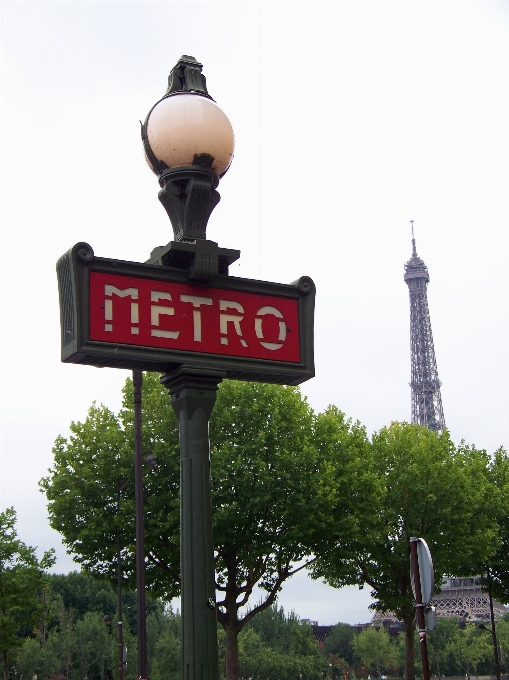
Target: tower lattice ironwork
(426,398)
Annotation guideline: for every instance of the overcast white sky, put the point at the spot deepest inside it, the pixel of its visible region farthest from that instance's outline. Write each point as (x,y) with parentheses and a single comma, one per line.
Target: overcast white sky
(350,118)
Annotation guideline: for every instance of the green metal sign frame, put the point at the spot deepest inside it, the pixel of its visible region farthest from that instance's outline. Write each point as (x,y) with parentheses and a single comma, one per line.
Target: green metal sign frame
(74,269)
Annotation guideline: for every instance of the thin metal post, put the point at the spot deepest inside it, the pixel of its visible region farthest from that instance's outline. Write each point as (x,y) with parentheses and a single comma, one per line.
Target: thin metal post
(140,548)
(119,598)
(493,630)
(193,394)
(421,624)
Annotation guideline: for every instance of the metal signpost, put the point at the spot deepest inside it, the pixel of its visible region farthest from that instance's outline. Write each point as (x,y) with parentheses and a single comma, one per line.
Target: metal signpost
(422,577)
(180,313)
(492,630)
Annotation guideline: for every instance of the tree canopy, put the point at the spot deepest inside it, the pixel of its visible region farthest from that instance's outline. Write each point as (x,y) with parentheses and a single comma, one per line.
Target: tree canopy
(374,649)
(271,490)
(498,563)
(75,642)
(275,645)
(22,579)
(339,643)
(83,483)
(469,648)
(415,483)
(288,486)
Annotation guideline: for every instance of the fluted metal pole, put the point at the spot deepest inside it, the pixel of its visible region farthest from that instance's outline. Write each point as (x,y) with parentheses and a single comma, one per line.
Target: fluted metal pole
(193,394)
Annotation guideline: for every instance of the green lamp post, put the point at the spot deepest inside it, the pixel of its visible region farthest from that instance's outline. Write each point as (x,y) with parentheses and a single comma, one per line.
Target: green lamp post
(181,314)
(188,142)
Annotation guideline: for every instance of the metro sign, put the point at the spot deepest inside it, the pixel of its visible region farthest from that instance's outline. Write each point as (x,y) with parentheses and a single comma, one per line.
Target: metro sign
(136,311)
(133,315)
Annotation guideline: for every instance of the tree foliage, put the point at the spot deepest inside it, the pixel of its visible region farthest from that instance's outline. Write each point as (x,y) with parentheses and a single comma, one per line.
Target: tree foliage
(79,645)
(468,648)
(274,646)
(339,643)
(374,649)
(271,490)
(439,651)
(503,641)
(76,642)
(288,485)
(414,482)
(83,484)
(81,593)
(22,581)
(499,562)
(164,645)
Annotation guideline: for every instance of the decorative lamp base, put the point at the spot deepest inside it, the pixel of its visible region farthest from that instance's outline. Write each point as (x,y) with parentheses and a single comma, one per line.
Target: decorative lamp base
(204,260)
(189,196)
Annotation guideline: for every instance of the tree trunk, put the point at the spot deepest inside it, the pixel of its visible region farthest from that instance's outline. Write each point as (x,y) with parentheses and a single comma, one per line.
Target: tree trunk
(6,670)
(232,651)
(409,648)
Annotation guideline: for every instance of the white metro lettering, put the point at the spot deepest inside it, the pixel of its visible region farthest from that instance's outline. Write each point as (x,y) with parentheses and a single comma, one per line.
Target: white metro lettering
(196,301)
(156,311)
(109,291)
(259,329)
(167,315)
(235,319)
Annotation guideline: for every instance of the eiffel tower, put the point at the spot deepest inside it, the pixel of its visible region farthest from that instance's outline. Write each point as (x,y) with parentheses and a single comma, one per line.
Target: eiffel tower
(426,399)
(459,597)
(462,598)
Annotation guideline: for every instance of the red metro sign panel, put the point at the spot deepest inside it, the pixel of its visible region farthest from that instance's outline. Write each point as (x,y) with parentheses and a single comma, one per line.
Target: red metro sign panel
(137,311)
(134,315)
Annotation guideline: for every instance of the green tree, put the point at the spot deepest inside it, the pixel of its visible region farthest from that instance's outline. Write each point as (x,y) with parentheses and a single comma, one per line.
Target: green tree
(75,641)
(22,580)
(163,645)
(415,483)
(439,649)
(82,593)
(271,493)
(468,648)
(284,633)
(339,667)
(374,649)
(82,494)
(270,497)
(499,562)
(339,643)
(259,660)
(493,566)
(62,643)
(166,660)
(503,641)
(40,653)
(131,644)
(274,646)
(398,662)
(29,660)
(93,647)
